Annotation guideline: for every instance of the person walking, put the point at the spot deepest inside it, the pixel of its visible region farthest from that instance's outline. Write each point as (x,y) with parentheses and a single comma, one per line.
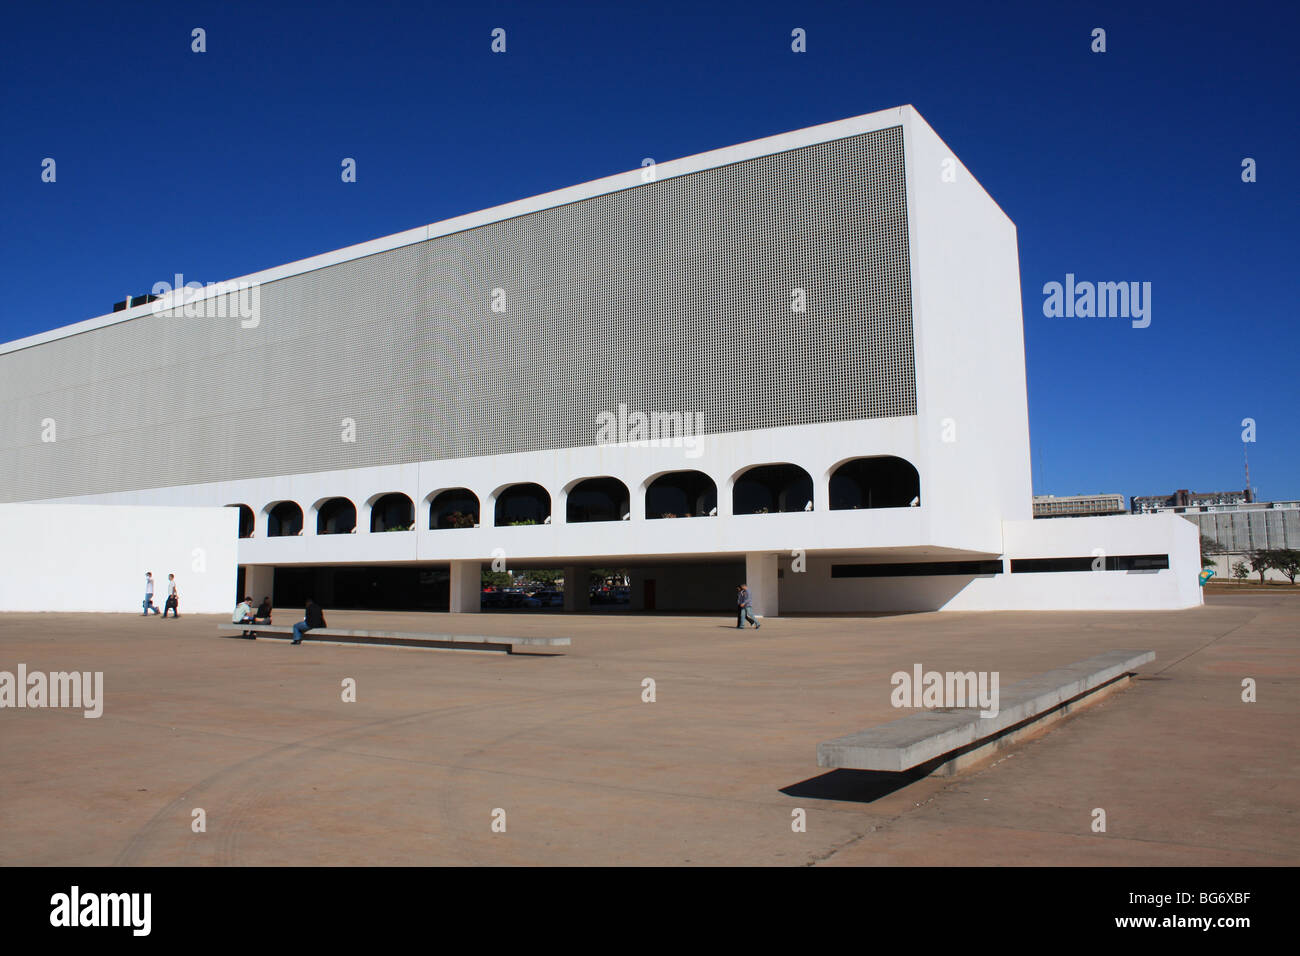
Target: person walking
(148,595)
(315,618)
(744,607)
(173,598)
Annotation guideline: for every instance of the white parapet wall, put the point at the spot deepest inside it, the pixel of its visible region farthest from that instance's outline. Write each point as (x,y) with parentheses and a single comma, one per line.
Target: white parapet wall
(1108,544)
(1105,589)
(69,557)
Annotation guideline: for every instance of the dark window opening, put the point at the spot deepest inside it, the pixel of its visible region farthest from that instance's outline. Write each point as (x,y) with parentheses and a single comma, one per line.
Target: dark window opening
(284,520)
(454,508)
(916,569)
(771,489)
(597,499)
(522,504)
(336,516)
(885,482)
(392,512)
(1113,562)
(246,521)
(681,494)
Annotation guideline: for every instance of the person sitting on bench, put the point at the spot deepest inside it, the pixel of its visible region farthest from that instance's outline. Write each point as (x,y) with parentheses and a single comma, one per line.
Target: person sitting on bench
(313,619)
(263,615)
(244,615)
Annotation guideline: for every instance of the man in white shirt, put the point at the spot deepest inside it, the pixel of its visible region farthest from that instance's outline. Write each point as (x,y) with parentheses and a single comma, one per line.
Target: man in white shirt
(148,595)
(244,615)
(173,598)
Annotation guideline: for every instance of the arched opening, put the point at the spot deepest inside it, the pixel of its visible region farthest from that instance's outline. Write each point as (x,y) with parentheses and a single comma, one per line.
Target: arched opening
(597,499)
(769,489)
(246,520)
(681,494)
(336,516)
(454,508)
(284,520)
(392,512)
(882,482)
(525,503)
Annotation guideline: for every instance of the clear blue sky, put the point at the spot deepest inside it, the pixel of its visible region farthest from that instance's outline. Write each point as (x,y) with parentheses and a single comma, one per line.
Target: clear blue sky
(1117,166)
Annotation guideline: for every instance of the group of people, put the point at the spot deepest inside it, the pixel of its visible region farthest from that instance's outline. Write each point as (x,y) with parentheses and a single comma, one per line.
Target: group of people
(315,617)
(173,603)
(244,614)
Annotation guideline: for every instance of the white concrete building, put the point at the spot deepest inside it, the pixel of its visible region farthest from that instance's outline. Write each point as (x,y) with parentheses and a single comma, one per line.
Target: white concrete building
(830,318)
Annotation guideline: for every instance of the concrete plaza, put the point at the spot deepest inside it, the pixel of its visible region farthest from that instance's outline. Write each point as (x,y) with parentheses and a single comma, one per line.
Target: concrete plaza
(258,736)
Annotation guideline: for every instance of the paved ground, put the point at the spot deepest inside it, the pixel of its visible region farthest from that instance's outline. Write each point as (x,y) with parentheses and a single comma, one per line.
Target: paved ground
(257,735)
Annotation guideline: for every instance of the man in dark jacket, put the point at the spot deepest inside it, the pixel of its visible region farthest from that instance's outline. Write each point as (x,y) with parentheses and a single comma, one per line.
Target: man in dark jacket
(263,615)
(744,607)
(314,619)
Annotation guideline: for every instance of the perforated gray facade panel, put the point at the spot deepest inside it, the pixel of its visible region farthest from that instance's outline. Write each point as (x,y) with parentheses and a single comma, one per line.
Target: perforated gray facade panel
(672,296)
(1249,530)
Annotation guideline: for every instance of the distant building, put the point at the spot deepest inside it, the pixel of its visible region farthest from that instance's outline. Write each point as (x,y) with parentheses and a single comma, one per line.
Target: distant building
(1257,526)
(1077,506)
(1236,528)
(1182,498)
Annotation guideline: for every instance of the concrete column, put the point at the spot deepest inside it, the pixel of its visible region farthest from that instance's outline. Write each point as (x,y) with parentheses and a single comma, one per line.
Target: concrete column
(764,584)
(259,582)
(466,587)
(821,491)
(577,591)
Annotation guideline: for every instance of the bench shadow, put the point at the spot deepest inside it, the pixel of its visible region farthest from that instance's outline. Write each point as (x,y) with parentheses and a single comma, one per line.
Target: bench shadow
(857,786)
(382,642)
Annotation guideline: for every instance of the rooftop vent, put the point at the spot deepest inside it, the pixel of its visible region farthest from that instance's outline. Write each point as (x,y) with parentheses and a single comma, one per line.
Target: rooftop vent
(132,301)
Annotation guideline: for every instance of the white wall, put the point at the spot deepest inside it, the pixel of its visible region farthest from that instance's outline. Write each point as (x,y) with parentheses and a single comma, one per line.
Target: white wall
(1224,562)
(970,351)
(1177,587)
(72,557)
(814,591)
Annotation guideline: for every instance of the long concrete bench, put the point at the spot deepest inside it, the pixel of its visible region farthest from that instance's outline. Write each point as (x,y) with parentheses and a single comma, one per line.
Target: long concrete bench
(957,737)
(344,635)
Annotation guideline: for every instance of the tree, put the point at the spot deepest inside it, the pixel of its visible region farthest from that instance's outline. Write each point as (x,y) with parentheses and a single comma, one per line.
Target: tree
(495,579)
(1260,562)
(599,576)
(1240,571)
(1288,562)
(1209,546)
